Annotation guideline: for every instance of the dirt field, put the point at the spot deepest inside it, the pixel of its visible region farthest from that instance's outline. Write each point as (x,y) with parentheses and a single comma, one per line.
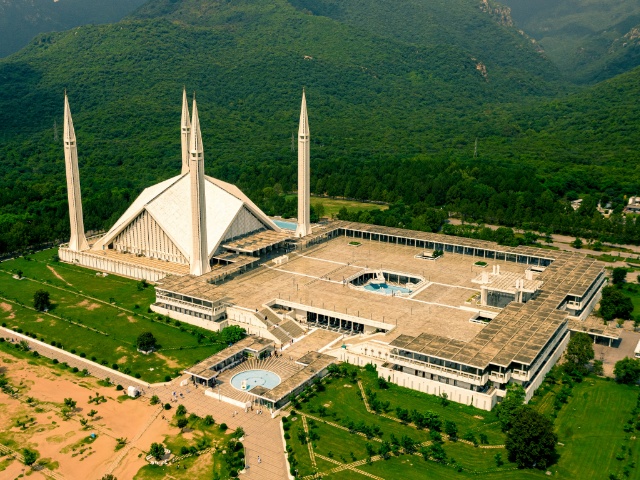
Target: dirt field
(63,445)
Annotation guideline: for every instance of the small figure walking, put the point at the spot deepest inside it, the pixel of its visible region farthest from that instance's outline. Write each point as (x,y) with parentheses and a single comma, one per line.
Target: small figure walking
(259,459)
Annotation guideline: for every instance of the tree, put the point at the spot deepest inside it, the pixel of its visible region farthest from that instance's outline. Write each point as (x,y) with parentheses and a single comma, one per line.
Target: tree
(146,342)
(451,429)
(579,353)
(577,243)
(619,276)
(181,410)
(156,450)
(108,476)
(507,408)
(615,304)
(70,402)
(41,301)
(155,400)
(627,370)
(531,441)
(232,334)
(208,420)
(30,456)
(182,422)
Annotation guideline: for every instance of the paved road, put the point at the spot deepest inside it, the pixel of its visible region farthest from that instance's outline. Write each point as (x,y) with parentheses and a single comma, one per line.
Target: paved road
(262,433)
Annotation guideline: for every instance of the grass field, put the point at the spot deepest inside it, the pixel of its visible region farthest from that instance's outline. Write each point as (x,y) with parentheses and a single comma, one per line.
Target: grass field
(592,442)
(333,205)
(98,316)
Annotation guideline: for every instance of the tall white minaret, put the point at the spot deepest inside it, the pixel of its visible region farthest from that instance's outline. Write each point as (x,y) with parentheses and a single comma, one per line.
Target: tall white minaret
(304,173)
(185,131)
(199,254)
(78,240)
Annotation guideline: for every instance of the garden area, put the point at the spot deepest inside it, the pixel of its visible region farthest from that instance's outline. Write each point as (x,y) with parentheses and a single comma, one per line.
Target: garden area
(401,433)
(99,317)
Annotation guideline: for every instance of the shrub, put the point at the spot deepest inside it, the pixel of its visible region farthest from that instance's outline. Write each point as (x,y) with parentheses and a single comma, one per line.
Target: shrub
(55,361)
(155,400)
(181,410)
(208,420)
(83,355)
(167,406)
(223,427)
(115,366)
(119,387)
(167,378)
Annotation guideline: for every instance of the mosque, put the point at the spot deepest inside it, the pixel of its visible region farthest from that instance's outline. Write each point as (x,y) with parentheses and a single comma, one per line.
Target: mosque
(435,313)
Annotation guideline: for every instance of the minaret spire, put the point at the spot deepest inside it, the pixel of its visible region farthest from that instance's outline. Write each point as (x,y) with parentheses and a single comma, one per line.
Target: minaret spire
(185,132)
(200,254)
(304,173)
(78,241)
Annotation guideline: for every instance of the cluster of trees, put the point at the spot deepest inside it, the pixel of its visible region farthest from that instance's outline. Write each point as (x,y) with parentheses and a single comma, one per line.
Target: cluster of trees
(391,142)
(614,303)
(531,441)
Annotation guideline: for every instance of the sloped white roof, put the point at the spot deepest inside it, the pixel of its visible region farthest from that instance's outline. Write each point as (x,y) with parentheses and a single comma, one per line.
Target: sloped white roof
(169,203)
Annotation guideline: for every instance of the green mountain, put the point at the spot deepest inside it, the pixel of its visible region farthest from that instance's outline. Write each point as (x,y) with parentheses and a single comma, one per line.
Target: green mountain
(589,40)
(397,92)
(21,20)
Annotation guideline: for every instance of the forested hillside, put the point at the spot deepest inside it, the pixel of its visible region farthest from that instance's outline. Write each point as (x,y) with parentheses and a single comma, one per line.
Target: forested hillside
(21,20)
(589,40)
(394,112)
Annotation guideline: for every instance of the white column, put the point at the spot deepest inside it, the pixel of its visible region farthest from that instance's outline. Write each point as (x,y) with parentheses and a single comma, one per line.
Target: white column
(304,173)
(199,263)
(78,241)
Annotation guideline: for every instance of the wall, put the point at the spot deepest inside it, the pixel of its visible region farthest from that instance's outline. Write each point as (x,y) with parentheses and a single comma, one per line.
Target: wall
(98,262)
(195,321)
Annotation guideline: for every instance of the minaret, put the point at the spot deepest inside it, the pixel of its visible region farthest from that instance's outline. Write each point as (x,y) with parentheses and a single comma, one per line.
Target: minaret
(78,241)
(185,131)
(304,173)
(199,254)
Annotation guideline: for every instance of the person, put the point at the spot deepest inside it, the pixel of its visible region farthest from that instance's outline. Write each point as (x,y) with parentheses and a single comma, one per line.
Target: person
(259,459)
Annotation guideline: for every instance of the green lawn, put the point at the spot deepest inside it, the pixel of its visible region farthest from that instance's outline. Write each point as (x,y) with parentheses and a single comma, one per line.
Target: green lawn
(91,324)
(333,205)
(592,442)
(468,419)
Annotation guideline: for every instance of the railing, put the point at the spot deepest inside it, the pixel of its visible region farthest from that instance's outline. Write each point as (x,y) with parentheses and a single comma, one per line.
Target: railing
(439,369)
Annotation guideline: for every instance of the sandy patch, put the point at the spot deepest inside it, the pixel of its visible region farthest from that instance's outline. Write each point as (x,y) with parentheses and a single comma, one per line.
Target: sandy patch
(86,304)
(39,319)
(171,363)
(6,307)
(56,438)
(131,319)
(122,360)
(57,275)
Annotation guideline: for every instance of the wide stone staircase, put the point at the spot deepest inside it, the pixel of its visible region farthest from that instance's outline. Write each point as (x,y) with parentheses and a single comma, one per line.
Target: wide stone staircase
(284,330)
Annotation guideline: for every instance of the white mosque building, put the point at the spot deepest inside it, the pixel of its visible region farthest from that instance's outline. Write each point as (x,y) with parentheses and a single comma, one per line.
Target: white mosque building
(180,225)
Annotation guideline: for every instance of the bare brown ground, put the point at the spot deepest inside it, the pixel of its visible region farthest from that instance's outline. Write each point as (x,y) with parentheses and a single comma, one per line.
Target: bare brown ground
(86,304)
(6,307)
(54,437)
(171,363)
(57,275)
(131,319)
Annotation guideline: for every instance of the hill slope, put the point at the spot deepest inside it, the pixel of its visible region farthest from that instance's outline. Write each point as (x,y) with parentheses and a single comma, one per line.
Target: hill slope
(21,20)
(393,115)
(589,40)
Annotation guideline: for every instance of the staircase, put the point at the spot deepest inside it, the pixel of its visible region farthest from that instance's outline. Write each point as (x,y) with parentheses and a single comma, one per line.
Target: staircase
(292,328)
(283,330)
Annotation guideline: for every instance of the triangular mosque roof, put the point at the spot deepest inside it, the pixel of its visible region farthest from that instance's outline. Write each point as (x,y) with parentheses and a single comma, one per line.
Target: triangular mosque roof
(169,203)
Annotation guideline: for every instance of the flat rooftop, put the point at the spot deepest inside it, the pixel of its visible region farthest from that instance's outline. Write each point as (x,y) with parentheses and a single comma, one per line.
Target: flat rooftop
(435,318)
